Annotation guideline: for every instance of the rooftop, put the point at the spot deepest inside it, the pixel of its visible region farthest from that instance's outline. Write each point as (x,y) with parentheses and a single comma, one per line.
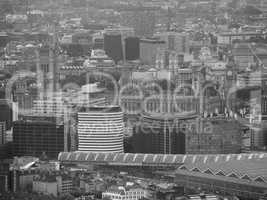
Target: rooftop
(106,109)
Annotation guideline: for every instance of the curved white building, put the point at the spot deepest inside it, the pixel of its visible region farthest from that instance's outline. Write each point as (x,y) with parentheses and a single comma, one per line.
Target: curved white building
(100,129)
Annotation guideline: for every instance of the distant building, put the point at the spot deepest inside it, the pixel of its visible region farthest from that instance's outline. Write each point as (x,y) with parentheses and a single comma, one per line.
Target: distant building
(228,38)
(65,185)
(3,39)
(25,93)
(6,114)
(52,185)
(243,56)
(92,185)
(219,136)
(98,59)
(37,136)
(46,187)
(178,42)
(4,176)
(132,48)
(149,49)
(2,133)
(264,94)
(98,41)
(124,193)
(47,69)
(159,134)
(171,60)
(142,20)
(100,129)
(53,107)
(113,47)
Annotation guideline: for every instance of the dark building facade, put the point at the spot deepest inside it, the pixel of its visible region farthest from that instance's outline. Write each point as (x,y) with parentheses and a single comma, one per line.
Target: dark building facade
(4,176)
(132,48)
(113,46)
(219,136)
(2,133)
(6,113)
(158,134)
(264,95)
(3,40)
(98,43)
(35,137)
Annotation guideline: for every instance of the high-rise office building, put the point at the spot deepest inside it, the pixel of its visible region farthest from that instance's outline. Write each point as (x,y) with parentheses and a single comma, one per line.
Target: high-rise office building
(114,42)
(100,129)
(158,134)
(264,94)
(3,39)
(113,46)
(2,133)
(264,105)
(38,135)
(132,48)
(6,113)
(4,176)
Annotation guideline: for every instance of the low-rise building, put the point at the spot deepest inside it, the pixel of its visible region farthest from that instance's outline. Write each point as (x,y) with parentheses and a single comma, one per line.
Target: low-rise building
(118,193)
(219,136)
(45,185)
(52,185)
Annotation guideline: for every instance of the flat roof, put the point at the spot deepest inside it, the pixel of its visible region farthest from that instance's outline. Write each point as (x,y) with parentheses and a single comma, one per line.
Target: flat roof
(101,109)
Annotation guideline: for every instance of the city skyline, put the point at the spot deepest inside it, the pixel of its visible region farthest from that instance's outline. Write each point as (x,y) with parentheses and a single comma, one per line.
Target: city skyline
(133,100)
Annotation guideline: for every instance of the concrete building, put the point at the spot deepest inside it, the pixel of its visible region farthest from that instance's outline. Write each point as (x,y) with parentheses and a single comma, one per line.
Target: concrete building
(171,60)
(98,59)
(162,133)
(149,49)
(25,93)
(45,186)
(132,48)
(178,42)
(52,185)
(4,176)
(243,56)
(2,133)
(92,185)
(38,135)
(219,136)
(6,114)
(64,185)
(227,38)
(100,129)
(114,42)
(118,193)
